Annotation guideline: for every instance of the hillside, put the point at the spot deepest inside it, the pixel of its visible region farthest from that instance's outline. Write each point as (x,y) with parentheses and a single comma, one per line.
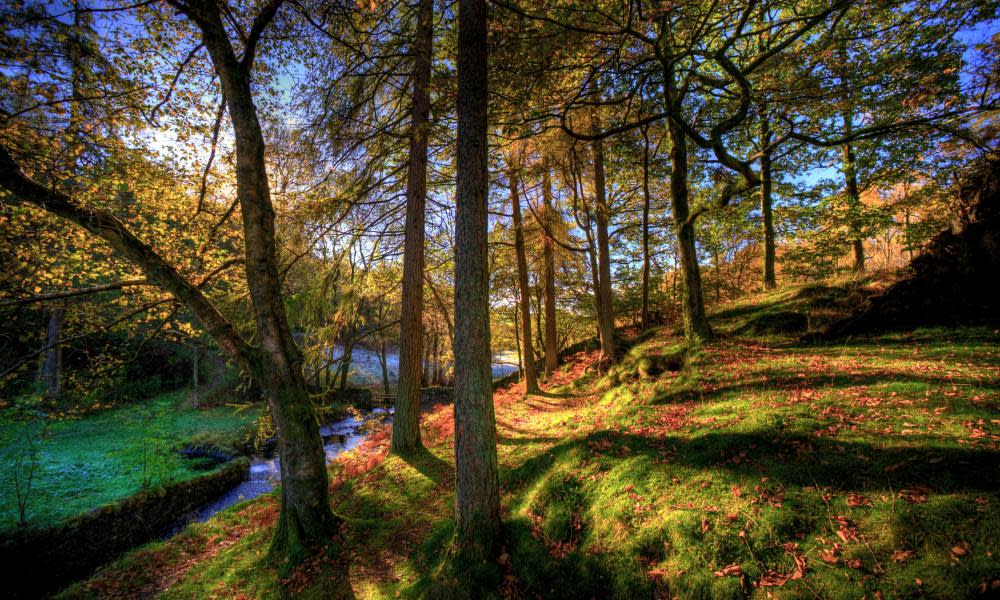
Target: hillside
(757,465)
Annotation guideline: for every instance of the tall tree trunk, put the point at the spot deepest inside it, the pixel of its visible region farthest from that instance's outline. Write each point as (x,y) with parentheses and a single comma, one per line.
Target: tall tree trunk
(549,274)
(607,314)
(53,365)
(305,509)
(767,218)
(477,485)
(527,344)
(406,420)
(517,340)
(696,327)
(644,307)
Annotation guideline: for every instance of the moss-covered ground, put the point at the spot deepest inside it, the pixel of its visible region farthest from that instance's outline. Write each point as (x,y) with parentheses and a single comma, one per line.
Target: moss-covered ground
(754,466)
(86,462)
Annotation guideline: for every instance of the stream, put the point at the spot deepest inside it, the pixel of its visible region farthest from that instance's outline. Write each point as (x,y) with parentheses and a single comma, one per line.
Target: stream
(339,436)
(265,472)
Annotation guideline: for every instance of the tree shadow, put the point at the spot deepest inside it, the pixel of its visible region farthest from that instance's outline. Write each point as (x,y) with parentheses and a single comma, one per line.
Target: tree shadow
(427,464)
(775,380)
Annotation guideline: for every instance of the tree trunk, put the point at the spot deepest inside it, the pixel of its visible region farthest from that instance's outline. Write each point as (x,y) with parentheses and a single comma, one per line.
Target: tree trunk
(477,486)
(696,327)
(406,420)
(607,314)
(767,218)
(53,365)
(517,341)
(853,207)
(383,359)
(549,274)
(644,307)
(195,376)
(305,509)
(527,344)
(345,360)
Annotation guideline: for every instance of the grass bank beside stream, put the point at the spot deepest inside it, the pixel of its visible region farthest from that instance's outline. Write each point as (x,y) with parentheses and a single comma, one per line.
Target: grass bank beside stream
(90,461)
(754,466)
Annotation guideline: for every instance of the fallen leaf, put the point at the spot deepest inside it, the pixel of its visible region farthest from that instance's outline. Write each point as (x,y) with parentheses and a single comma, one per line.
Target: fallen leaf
(733,570)
(902,555)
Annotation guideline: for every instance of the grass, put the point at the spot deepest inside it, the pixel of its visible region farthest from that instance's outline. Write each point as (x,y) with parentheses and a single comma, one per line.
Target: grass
(756,466)
(97,459)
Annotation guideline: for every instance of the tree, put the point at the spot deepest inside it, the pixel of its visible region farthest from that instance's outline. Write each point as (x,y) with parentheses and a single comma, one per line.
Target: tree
(277,362)
(524,291)
(477,487)
(406,421)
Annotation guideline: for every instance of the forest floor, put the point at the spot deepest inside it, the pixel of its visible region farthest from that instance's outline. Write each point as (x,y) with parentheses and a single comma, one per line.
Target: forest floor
(757,465)
(85,462)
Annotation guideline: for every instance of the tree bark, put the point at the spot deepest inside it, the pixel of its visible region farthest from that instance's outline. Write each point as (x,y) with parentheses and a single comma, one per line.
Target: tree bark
(853,207)
(696,327)
(305,511)
(549,274)
(607,315)
(527,344)
(477,487)
(644,307)
(53,365)
(406,420)
(767,217)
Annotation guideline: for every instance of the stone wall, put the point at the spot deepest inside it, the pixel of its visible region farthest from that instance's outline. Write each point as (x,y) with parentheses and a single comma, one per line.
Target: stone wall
(42,561)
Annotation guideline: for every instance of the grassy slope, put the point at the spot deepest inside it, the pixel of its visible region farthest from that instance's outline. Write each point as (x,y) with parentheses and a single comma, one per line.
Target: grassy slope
(94,460)
(833,471)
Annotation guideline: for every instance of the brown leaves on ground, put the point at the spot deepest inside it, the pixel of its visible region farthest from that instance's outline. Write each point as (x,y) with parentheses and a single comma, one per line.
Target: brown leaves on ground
(733,570)
(916,494)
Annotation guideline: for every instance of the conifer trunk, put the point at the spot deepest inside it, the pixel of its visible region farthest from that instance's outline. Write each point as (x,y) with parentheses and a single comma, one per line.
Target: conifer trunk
(549,274)
(477,486)
(406,420)
(528,351)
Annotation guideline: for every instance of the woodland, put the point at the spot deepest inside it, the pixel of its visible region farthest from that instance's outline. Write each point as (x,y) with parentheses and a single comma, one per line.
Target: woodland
(500,299)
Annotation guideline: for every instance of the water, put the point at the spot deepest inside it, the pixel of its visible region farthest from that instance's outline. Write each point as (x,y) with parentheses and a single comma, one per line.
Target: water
(339,436)
(366,370)
(265,473)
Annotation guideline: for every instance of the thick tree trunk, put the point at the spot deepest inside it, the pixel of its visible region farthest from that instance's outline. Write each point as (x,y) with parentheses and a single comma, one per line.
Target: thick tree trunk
(406,420)
(644,307)
(549,274)
(53,366)
(477,486)
(527,344)
(696,327)
(767,218)
(607,314)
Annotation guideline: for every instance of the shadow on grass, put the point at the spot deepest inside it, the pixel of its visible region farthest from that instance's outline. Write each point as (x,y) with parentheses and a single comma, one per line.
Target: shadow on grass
(427,464)
(775,380)
(794,463)
(797,459)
